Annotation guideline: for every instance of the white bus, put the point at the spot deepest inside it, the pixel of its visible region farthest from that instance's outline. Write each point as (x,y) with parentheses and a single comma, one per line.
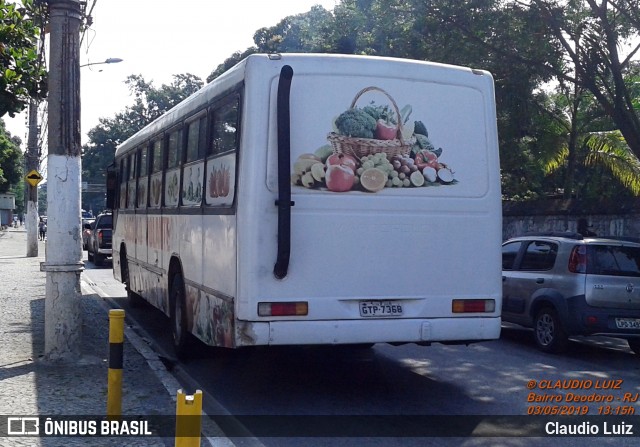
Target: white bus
(317,199)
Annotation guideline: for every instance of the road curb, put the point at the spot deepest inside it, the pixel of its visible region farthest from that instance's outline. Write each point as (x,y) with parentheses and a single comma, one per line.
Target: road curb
(140,341)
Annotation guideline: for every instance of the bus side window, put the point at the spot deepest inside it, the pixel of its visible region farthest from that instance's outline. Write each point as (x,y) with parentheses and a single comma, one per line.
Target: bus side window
(224,126)
(124,177)
(155,180)
(193,135)
(202,138)
(174,159)
(220,177)
(143,180)
(193,173)
(132,174)
(174,147)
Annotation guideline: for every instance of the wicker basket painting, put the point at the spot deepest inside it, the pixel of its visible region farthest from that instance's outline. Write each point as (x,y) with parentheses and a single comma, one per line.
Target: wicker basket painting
(361,147)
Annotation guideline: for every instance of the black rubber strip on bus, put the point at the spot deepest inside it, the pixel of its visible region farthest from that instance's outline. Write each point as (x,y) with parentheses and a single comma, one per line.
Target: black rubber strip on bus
(284,203)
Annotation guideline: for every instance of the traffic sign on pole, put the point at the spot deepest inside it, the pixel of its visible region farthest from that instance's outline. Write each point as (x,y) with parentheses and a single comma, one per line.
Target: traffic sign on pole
(33,178)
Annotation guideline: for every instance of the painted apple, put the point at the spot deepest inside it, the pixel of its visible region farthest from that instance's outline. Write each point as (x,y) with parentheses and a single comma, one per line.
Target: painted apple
(339,178)
(343,159)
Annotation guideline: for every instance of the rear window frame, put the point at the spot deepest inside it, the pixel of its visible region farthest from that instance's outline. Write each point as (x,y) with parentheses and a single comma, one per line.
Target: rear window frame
(594,268)
(105,222)
(555,248)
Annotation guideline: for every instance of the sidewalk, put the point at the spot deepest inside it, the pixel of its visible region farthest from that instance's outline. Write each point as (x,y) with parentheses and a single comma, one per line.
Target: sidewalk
(31,387)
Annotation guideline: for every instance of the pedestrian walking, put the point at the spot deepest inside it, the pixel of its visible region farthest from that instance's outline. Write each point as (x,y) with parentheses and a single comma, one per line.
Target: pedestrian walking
(42,228)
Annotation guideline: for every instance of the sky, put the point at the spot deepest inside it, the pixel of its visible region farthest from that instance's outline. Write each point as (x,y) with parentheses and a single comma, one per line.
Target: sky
(160,38)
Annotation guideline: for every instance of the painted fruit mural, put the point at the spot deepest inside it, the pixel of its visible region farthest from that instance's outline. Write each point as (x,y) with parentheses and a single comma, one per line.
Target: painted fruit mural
(372,148)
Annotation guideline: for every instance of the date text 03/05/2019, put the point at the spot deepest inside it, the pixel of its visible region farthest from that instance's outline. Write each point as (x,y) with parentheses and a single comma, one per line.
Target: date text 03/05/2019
(580,410)
(588,428)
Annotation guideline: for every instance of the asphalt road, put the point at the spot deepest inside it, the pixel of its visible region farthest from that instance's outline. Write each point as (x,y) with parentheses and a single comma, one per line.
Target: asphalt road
(442,387)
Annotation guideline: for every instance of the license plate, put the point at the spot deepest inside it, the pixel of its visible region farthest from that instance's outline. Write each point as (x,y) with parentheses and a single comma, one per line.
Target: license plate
(380,309)
(628,323)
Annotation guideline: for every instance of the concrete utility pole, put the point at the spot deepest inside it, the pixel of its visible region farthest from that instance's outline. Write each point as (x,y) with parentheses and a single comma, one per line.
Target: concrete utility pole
(33,162)
(63,262)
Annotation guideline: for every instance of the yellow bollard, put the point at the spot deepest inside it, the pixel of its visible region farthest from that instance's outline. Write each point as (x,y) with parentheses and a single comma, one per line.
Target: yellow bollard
(188,419)
(116,360)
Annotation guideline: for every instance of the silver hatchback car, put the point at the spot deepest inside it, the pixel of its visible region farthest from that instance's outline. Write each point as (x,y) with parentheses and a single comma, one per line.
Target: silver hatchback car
(562,284)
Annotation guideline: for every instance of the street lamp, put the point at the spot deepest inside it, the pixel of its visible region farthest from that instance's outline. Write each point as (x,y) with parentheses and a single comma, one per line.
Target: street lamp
(111,60)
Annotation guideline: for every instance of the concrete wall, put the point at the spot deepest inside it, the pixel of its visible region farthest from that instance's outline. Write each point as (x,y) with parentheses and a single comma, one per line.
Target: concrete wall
(621,218)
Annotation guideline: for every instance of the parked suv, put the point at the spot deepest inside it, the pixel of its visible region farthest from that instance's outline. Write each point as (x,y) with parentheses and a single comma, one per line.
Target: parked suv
(562,284)
(99,239)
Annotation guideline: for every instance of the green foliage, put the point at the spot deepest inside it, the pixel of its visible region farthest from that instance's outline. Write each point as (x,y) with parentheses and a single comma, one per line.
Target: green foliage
(149,103)
(592,38)
(600,153)
(230,62)
(611,151)
(10,160)
(301,33)
(22,75)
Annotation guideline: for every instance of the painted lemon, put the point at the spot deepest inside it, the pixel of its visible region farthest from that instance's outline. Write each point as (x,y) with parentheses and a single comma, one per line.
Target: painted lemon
(373,179)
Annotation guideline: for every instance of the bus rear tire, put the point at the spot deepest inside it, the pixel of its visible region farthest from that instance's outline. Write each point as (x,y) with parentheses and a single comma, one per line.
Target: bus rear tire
(178,316)
(98,259)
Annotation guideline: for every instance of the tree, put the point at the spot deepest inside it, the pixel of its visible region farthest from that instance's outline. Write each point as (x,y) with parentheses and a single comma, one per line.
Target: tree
(22,73)
(607,157)
(592,35)
(302,33)
(230,62)
(149,104)
(10,159)
(595,42)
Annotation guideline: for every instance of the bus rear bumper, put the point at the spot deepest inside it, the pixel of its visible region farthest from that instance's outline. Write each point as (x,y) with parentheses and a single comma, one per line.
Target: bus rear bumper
(371,331)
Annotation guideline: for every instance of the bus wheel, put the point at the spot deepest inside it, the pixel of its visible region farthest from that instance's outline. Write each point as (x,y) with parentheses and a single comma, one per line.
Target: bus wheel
(134,299)
(98,259)
(179,317)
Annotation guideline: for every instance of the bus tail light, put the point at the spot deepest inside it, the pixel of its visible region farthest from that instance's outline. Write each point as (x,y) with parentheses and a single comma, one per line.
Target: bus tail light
(472,306)
(283,309)
(99,235)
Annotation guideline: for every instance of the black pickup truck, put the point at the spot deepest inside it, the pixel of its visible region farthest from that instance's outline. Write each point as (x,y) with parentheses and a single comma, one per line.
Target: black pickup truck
(99,242)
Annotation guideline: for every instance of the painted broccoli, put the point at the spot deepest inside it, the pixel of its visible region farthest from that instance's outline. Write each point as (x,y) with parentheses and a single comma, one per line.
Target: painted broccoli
(356,123)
